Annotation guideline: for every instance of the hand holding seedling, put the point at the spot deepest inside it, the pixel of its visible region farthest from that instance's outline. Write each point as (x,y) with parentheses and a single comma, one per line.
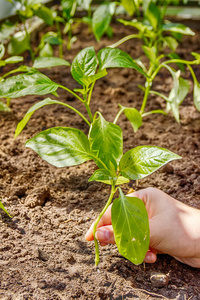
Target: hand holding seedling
(174,228)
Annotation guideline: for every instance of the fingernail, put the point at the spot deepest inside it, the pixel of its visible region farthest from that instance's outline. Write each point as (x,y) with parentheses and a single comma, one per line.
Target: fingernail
(103,235)
(148,258)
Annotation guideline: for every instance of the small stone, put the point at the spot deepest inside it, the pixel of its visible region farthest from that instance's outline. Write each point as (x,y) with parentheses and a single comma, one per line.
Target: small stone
(168,169)
(38,197)
(42,255)
(159,280)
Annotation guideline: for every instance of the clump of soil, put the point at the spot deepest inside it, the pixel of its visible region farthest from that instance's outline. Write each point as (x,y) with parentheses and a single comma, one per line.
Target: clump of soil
(43,253)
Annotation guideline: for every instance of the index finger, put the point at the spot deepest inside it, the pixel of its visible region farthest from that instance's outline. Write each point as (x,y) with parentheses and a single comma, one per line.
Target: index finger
(105,220)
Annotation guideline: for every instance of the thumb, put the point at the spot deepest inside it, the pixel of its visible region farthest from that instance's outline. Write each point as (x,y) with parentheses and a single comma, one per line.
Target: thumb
(105,235)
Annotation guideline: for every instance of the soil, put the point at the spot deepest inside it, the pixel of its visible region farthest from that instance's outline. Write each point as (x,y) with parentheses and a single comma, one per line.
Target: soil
(43,253)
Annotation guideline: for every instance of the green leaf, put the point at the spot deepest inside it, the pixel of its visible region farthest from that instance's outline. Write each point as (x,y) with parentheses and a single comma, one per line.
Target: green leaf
(4,107)
(138,25)
(87,80)
(44,13)
(2,51)
(49,62)
(52,39)
(102,175)
(26,118)
(84,65)
(84,4)
(106,142)
(196,56)
(196,95)
(177,28)
(14,59)
(102,18)
(133,116)
(46,51)
(178,93)
(176,56)
(130,6)
(2,207)
(131,227)
(27,84)
(170,42)
(153,14)
(6,30)
(116,58)
(150,53)
(19,43)
(141,161)
(61,146)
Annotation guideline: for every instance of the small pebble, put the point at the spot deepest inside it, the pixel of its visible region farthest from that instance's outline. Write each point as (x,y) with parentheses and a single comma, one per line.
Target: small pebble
(159,279)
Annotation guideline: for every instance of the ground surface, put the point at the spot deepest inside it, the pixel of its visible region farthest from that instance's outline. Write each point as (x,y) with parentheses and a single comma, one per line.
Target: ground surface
(43,253)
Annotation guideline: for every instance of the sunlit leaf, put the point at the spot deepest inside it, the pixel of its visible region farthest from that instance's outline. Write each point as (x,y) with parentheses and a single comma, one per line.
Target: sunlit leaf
(131,227)
(177,28)
(141,161)
(27,84)
(49,62)
(4,107)
(133,116)
(102,18)
(61,146)
(84,64)
(116,58)
(106,141)
(2,207)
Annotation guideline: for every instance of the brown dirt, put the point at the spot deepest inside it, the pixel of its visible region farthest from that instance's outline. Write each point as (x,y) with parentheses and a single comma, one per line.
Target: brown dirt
(43,253)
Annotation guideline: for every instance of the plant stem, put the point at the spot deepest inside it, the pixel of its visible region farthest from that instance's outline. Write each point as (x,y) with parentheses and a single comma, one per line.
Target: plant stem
(89,111)
(126,38)
(75,110)
(113,190)
(29,38)
(71,92)
(186,62)
(146,94)
(90,92)
(192,73)
(118,114)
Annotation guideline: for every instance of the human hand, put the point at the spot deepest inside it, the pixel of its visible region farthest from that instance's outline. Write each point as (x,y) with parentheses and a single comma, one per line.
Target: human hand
(174,228)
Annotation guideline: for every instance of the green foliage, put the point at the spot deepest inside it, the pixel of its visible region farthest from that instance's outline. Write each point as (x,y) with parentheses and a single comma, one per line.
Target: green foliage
(3,208)
(102,18)
(141,161)
(131,227)
(63,146)
(157,33)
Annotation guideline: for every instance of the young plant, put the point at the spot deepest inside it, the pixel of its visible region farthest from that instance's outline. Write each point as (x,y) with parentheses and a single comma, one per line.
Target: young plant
(156,34)
(87,67)
(64,146)
(21,40)
(4,62)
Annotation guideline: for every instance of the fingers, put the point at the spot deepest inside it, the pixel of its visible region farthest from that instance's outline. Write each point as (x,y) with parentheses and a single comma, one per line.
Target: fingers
(105,220)
(105,235)
(151,257)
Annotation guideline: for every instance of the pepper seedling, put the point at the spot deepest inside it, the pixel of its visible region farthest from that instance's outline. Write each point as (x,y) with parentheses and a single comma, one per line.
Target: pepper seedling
(65,147)
(157,34)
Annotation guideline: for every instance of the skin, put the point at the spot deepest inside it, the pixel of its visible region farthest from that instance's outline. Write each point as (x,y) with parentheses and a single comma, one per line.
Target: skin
(174,228)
